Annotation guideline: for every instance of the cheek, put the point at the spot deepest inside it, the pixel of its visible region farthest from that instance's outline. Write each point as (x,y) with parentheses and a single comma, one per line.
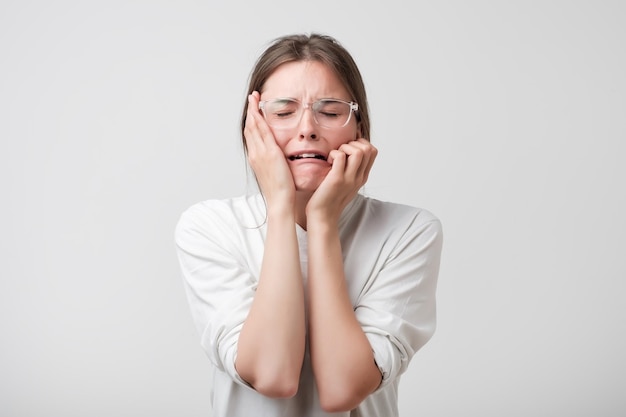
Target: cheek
(282,138)
(345,135)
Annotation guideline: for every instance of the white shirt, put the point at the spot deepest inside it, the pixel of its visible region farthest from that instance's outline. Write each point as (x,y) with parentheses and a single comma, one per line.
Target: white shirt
(391,256)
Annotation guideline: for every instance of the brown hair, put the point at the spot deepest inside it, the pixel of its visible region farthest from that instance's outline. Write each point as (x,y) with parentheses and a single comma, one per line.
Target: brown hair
(313,47)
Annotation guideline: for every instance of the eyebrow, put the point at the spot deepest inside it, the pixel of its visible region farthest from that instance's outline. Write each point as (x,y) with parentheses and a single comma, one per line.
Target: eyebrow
(313,101)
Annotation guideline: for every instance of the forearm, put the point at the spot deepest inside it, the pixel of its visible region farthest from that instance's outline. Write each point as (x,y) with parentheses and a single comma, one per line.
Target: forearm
(342,358)
(272,341)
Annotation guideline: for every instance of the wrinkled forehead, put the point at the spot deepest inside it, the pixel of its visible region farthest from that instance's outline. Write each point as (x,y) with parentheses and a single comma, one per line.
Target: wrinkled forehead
(304,80)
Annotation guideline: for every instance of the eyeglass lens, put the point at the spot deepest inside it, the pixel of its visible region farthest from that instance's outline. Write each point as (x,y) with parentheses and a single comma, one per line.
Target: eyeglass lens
(286,113)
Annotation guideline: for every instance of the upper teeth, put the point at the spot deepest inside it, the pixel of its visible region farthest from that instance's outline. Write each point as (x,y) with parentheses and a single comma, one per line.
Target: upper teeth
(307,155)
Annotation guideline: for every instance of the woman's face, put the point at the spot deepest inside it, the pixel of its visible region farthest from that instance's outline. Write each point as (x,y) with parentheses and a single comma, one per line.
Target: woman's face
(308,81)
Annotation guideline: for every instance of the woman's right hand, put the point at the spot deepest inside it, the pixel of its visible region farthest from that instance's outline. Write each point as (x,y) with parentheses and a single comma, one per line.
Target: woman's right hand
(266,158)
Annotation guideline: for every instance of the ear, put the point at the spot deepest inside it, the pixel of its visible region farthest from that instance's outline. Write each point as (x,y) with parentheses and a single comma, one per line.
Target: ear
(359,130)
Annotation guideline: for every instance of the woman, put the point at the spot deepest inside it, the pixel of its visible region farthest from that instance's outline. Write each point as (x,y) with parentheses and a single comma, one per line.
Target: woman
(309,297)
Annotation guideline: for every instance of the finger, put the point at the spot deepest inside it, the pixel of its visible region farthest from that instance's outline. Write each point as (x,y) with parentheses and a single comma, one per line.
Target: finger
(367,154)
(337,160)
(253,106)
(251,129)
(253,114)
(256,130)
(264,131)
(372,153)
(354,158)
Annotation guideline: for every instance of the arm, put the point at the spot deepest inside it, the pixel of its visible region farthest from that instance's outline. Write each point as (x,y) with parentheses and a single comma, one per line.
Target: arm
(341,355)
(397,311)
(271,344)
(272,341)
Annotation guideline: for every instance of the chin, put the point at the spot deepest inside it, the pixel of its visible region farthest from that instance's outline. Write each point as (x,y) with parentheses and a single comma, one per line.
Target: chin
(308,184)
(310,179)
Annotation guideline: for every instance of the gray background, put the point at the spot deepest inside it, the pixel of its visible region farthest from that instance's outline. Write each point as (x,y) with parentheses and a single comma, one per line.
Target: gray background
(506,119)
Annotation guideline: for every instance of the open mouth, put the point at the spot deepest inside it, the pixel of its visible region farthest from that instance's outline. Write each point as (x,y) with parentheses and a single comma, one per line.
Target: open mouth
(307,156)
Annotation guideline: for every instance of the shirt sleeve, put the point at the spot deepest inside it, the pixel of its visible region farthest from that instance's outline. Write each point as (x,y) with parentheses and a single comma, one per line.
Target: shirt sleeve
(398,310)
(218,284)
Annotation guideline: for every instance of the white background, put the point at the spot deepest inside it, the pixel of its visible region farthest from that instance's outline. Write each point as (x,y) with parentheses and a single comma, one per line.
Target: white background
(506,119)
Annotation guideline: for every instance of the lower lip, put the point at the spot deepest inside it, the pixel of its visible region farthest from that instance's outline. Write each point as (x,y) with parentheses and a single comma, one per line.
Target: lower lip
(309,160)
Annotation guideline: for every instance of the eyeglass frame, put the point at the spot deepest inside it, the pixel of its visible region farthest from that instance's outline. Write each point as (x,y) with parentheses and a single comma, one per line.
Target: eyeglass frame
(354,107)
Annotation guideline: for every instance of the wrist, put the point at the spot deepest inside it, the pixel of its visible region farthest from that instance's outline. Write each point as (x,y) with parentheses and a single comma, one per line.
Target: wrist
(281,212)
(321,220)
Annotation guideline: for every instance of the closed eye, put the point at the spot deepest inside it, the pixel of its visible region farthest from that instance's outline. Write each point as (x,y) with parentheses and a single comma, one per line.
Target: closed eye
(284,114)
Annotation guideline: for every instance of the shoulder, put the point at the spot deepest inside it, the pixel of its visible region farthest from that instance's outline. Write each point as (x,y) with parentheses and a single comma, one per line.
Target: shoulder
(391,227)
(391,215)
(216,216)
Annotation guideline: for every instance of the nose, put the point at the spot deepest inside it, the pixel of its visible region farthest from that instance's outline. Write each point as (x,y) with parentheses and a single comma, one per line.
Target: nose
(307,126)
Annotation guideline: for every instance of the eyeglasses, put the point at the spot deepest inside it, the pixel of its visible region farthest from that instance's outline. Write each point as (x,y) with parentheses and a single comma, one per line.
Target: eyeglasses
(286,113)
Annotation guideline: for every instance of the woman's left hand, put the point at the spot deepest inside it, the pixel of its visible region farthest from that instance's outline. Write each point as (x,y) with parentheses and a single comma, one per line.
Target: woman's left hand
(351,165)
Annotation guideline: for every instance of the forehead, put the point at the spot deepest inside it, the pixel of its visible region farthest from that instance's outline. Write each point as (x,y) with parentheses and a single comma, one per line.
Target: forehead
(304,80)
